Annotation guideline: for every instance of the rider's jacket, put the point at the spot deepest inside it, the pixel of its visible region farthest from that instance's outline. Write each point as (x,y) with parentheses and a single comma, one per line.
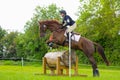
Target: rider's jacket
(67,21)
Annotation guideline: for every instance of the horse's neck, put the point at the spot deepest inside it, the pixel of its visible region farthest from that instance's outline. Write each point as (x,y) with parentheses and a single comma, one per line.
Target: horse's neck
(61,30)
(59,33)
(53,28)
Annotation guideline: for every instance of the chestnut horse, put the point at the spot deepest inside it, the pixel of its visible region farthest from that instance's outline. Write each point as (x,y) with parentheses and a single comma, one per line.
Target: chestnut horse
(84,44)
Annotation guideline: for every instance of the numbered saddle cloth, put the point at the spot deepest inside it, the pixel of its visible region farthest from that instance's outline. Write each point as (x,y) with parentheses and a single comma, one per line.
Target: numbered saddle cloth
(74,36)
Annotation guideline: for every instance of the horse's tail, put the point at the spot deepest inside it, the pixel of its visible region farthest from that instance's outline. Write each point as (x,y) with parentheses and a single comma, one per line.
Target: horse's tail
(100,50)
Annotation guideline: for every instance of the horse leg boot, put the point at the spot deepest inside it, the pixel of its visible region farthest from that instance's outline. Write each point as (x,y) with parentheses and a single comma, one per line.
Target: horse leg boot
(96,72)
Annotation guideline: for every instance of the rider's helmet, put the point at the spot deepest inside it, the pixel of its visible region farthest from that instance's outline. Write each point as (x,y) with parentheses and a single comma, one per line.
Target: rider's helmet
(63,12)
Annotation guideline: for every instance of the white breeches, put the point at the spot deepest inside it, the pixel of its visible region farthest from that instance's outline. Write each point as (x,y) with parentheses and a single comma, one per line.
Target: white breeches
(71,28)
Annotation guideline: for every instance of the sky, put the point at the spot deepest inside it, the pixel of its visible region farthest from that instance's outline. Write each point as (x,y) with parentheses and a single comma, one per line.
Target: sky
(15,13)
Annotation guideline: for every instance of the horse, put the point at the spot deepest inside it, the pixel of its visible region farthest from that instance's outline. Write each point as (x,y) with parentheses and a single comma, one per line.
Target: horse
(87,46)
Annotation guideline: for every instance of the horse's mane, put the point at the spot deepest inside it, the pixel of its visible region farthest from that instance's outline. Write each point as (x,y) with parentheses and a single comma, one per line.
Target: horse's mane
(50,22)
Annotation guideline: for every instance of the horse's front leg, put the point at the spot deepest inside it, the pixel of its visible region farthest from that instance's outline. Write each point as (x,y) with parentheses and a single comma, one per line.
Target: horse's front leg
(51,43)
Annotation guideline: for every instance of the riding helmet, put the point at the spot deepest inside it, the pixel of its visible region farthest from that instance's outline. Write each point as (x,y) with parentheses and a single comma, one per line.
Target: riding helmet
(63,12)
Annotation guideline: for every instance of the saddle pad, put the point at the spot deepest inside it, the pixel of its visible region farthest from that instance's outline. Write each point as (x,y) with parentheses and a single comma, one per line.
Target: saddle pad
(74,37)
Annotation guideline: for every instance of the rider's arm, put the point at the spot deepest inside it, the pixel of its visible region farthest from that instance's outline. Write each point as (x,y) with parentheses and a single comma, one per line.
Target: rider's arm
(63,24)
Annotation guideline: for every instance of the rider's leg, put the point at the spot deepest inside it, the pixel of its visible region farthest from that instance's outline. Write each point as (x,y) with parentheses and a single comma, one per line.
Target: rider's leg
(69,30)
(67,36)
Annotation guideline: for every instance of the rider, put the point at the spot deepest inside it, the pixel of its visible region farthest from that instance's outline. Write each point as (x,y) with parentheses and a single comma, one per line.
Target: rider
(67,23)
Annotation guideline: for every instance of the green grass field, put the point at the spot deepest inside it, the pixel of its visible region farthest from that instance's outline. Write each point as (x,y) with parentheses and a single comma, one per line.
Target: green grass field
(8,72)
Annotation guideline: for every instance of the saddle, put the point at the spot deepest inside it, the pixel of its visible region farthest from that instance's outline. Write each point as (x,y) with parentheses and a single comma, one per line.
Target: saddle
(74,36)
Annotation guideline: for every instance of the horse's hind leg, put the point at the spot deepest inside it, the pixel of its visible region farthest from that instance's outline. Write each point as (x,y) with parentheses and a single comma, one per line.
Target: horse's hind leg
(94,66)
(92,61)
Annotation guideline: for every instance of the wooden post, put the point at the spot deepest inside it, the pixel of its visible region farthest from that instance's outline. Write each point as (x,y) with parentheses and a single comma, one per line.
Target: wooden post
(61,71)
(52,71)
(58,66)
(44,65)
(67,71)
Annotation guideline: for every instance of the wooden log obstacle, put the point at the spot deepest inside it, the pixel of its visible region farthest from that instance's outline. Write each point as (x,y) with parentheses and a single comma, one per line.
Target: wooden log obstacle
(59,61)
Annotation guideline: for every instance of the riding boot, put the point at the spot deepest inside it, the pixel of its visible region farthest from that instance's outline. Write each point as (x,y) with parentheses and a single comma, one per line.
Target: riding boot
(67,39)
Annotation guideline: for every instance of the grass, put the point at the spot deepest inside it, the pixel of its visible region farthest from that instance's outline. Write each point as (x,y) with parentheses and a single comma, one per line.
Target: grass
(9,72)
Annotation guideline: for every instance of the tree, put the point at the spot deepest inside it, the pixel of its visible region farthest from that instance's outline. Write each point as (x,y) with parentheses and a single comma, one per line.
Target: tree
(29,44)
(9,44)
(2,34)
(99,22)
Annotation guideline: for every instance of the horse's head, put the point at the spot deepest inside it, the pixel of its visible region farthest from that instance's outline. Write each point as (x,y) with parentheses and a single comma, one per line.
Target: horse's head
(42,28)
(52,25)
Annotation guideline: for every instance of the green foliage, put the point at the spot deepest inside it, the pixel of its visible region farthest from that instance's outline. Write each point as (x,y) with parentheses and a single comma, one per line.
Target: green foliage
(29,44)
(46,13)
(2,34)
(9,44)
(99,22)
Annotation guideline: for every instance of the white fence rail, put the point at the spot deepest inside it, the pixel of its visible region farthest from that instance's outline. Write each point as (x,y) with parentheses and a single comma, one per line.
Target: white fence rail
(22,60)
